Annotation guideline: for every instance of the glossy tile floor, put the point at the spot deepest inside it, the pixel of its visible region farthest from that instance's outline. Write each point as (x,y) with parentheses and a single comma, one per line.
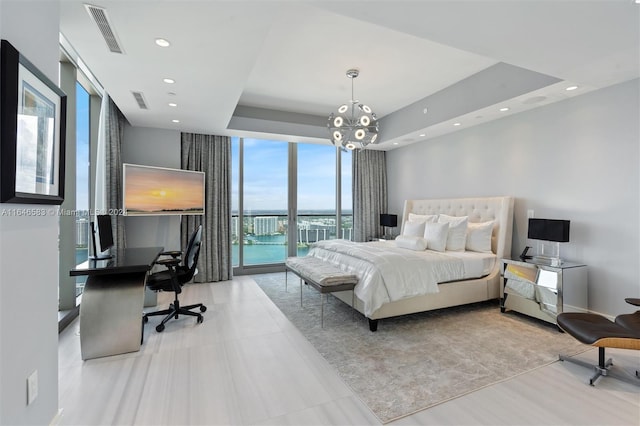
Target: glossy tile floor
(247,365)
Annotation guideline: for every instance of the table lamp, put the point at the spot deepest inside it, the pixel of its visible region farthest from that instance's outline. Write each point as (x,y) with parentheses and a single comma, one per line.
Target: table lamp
(388,221)
(551,230)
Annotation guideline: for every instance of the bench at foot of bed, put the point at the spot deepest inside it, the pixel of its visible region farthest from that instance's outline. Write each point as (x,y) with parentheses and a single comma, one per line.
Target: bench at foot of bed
(321,275)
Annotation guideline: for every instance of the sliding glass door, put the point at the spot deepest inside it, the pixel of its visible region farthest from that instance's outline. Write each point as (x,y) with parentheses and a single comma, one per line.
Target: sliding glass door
(316,195)
(285,196)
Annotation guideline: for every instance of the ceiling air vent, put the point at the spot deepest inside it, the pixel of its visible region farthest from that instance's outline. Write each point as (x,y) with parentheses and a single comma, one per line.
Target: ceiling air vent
(139,97)
(100,17)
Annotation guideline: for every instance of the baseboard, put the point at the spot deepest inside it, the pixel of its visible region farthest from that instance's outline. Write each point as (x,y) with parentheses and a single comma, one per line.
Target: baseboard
(69,316)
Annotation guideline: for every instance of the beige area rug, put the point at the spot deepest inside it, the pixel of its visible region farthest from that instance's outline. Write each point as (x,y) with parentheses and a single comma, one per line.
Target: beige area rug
(416,361)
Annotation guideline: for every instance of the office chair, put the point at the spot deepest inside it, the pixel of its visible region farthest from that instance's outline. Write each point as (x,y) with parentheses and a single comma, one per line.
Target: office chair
(178,272)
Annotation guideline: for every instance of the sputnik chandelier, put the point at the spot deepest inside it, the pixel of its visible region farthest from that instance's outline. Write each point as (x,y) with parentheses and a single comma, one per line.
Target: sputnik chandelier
(353,126)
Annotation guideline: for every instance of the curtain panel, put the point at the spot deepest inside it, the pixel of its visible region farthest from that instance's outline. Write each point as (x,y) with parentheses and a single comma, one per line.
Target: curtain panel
(212,155)
(109,185)
(369,170)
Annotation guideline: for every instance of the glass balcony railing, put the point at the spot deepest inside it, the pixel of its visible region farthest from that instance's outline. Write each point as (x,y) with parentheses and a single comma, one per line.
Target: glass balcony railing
(263,237)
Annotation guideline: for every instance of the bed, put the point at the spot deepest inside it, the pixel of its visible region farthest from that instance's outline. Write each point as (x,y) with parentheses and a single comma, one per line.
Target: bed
(394,280)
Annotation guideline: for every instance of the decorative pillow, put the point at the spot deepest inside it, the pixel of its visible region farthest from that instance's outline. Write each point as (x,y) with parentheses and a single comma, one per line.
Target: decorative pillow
(423,217)
(457,236)
(436,235)
(413,229)
(479,236)
(411,243)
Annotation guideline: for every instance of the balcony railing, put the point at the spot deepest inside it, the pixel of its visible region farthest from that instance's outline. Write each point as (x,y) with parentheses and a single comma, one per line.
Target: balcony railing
(263,237)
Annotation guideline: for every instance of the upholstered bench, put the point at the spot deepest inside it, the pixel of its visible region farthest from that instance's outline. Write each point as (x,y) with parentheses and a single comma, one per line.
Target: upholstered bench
(321,275)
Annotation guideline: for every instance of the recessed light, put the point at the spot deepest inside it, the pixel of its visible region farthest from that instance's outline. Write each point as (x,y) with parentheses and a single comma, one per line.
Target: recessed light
(504,109)
(176,121)
(169,80)
(162,42)
(570,88)
(395,143)
(456,124)
(173,104)
(422,135)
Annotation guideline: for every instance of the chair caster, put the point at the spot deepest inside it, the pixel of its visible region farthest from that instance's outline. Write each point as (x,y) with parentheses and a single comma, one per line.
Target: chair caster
(203,308)
(160,328)
(200,319)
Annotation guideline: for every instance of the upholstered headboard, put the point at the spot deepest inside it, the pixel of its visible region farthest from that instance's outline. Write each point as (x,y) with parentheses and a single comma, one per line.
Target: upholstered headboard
(499,209)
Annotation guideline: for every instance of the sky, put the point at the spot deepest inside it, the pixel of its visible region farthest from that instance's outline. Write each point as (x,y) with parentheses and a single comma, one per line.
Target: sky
(82,148)
(265,176)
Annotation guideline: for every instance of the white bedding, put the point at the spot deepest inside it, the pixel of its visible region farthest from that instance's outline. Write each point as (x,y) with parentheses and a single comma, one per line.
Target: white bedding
(387,273)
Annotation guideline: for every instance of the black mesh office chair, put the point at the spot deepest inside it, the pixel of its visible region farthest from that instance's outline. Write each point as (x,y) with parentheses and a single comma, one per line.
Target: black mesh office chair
(179,272)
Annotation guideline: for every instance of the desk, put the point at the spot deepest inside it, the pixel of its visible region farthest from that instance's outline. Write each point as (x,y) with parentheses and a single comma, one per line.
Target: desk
(112,302)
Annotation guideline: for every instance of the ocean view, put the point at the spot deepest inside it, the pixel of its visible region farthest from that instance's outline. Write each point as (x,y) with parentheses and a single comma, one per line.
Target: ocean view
(264,249)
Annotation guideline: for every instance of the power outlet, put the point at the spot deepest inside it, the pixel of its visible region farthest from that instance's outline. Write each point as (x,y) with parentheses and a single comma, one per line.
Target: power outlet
(32,387)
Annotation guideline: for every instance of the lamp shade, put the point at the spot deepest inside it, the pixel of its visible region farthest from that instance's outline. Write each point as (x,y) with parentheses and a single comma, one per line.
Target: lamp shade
(549,230)
(390,220)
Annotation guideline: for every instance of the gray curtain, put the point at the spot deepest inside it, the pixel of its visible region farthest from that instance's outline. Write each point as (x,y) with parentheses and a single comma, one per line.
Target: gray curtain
(212,155)
(109,181)
(369,170)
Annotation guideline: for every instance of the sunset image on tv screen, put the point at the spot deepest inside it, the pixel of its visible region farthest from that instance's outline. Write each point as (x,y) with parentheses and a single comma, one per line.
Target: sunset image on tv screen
(154,190)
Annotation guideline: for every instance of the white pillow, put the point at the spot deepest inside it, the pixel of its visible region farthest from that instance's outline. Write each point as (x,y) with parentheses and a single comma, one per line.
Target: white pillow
(411,243)
(413,229)
(479,236)
(457,237)
(436,235)
(423,217)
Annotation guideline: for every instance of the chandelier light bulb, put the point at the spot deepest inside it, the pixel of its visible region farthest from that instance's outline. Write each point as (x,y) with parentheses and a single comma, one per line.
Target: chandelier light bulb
(350,146)
(343,109)
(364,120)
(337,136)
(360,134)
(338,121)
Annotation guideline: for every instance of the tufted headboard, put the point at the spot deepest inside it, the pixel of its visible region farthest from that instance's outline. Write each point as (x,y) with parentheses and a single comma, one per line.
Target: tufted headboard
(499,209)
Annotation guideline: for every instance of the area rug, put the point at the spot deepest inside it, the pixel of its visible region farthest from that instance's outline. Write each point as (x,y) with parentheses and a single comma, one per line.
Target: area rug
(417,361)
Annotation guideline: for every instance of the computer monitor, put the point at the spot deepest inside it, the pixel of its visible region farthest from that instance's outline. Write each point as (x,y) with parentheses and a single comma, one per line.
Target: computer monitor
(105,236)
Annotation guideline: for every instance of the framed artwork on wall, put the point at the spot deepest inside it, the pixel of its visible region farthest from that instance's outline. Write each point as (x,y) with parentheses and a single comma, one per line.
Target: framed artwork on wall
(32,132)
(150,190)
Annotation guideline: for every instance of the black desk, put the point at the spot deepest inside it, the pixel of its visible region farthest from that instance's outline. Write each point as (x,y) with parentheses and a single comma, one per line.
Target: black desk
(112,301)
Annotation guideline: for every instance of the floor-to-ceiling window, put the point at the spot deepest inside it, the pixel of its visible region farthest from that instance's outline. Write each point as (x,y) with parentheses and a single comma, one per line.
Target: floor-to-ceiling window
(346,195)
(285,197)
(265,202)
(316,195)
(82,180)
(83,107)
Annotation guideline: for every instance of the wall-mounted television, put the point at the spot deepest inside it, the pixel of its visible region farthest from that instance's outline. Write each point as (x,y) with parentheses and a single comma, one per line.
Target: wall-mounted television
(152,190)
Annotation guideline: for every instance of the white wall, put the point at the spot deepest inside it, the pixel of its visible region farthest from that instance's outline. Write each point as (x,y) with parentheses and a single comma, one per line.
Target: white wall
(29,251)
(577,159)
(152,147)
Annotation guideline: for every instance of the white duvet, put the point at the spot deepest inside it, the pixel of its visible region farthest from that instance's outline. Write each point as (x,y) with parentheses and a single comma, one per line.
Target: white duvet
(387,273)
